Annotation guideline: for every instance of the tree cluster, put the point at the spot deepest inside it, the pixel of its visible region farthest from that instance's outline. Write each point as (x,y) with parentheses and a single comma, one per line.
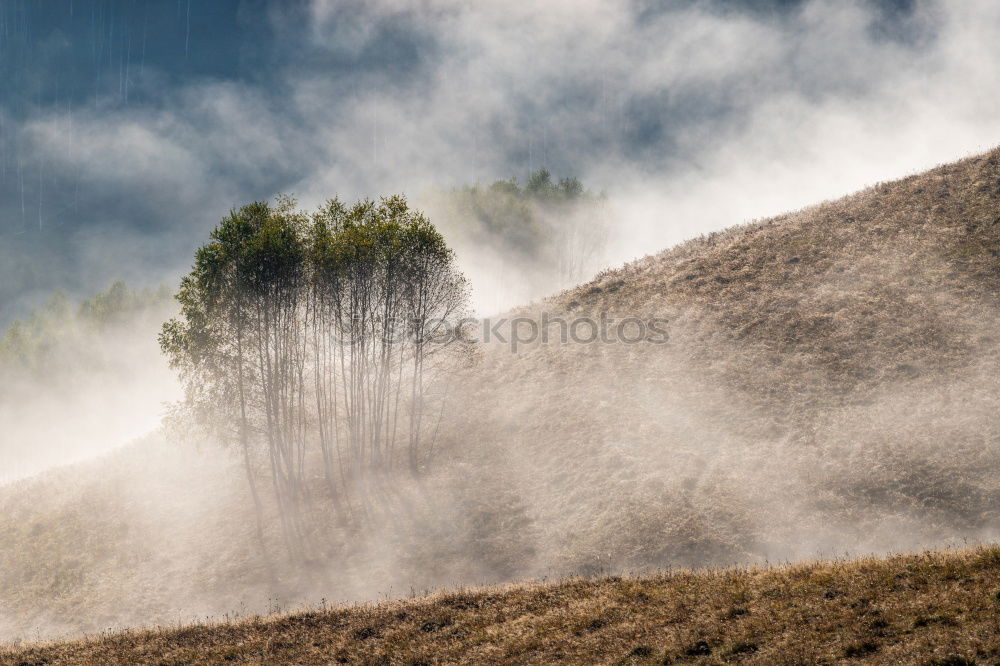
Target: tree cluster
(318,343)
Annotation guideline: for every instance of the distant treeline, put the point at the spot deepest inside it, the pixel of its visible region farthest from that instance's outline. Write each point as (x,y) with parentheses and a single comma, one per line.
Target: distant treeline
(40,344)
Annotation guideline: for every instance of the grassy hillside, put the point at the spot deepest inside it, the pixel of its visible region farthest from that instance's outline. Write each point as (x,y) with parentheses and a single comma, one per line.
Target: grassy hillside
(830,386)
(935,608)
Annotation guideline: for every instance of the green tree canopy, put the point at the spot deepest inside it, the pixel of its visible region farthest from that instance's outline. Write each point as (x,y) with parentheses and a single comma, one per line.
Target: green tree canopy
(308,339)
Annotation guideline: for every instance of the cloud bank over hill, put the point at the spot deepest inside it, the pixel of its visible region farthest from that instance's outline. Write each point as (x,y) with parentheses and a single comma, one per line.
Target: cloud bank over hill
(692,115)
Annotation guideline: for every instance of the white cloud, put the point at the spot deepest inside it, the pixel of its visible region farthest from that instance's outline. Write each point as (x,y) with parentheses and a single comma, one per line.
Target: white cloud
(692,118)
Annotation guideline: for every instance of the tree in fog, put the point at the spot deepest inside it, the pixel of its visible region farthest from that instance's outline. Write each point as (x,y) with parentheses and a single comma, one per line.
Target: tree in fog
(576,221)
(557,230)
(314,342)
(387,299)
(212,344)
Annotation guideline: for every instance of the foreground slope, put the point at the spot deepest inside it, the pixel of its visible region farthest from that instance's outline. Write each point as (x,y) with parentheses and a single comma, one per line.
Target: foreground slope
(830,385)
(934,608)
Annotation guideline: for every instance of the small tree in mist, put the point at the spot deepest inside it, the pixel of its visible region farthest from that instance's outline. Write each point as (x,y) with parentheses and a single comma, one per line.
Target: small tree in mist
(313,340)
(577,223)
(556,229)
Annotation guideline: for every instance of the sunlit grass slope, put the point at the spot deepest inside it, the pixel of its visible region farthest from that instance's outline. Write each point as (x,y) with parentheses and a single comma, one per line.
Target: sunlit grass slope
(933,608)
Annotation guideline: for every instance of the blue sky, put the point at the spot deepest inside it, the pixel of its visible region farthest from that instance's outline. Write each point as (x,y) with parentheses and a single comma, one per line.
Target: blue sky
(130,126)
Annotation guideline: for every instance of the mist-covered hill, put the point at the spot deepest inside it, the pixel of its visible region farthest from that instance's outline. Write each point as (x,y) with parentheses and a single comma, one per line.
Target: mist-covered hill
(829,385)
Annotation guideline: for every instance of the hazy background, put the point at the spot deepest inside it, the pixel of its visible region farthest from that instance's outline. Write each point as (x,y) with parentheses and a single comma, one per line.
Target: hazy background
(129,127)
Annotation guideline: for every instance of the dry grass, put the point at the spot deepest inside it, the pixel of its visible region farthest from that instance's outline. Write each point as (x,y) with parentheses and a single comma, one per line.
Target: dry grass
(897,282)
(934,608)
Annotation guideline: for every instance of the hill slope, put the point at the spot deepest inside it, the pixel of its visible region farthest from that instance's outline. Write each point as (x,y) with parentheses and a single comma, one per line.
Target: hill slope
(930,609)
(830,385)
